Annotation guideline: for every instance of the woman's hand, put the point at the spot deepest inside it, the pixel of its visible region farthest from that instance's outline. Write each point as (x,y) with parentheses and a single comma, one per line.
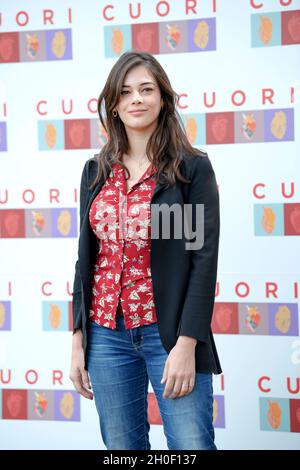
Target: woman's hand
(179,372)
(78,375)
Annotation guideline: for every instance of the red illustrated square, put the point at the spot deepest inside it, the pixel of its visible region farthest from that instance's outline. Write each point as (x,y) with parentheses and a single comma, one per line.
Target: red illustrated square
(12,223)
(77,134)
(153,409)
(9,47)
(70,315)
(14,404)
(145,37)
(295,415)
(292,219)
(219,128)
(290,27)
(225,318)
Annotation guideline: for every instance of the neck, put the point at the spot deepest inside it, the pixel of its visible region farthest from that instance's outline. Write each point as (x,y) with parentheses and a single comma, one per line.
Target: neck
(137,141)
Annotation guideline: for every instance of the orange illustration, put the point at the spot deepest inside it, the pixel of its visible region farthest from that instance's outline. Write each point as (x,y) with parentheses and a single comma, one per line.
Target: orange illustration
(274,414)
(55,316)
(268,220)
(265,30)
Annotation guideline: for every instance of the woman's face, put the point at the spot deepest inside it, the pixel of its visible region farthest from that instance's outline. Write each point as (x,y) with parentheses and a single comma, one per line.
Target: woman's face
(139,91)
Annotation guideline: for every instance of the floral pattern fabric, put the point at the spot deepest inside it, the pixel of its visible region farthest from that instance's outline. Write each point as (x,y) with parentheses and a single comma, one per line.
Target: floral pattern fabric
(122,276)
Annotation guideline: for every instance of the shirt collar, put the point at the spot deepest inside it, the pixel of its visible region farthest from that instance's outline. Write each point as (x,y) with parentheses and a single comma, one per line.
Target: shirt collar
(117,174)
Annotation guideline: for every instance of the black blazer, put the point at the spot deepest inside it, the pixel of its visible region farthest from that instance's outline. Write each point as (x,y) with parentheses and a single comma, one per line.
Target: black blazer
(183,280)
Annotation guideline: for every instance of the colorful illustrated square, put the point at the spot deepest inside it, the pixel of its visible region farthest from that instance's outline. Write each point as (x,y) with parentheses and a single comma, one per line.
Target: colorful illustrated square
(32,46)
(38,223)
(173,37)
(248,126)
(12,223)
(59,44)
(64,222)
(154,416)
(41,405)
(55,315)
(225,318)
(70,315)
(279,125)
(14,404)
(9,47)
(51,134)
(77,134)
(283,319)
(290,27)
(292,218)
(266,29)
(195,128)
(219,411)
(253,318)
(202,35)
(220,128)
(117,39)
(145,37)
(3,137)
(98,136)
(5,315)
(67,405)
(295,414)
(268,220)
(274,414)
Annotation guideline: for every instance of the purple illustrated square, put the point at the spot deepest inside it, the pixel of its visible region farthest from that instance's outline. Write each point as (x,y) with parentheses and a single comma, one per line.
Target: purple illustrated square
(283,319)
(59,44)
(64,222)
(3,137)
(219,411)
(5,315)
(279,125)
(66,405)
(202,35)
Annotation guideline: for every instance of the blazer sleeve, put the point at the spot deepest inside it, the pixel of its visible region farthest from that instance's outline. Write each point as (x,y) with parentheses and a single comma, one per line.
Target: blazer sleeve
(77,299)
(200,294)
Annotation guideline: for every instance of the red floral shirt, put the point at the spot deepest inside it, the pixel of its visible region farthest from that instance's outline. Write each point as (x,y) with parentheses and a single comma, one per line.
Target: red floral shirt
(121,222)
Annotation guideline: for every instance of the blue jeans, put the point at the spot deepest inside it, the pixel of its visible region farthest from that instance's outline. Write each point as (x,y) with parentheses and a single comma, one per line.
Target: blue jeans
(120,363)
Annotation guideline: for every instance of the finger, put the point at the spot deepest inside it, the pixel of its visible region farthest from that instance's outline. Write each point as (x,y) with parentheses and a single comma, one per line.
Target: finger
(176,389)
(192,383)
(181,388)
(81,389)
(187,386)
(85,379)
(185,389)
(168,387)
(165,374)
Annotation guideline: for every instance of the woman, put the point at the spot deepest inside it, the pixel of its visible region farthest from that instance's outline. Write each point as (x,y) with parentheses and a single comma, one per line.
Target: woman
(143,296)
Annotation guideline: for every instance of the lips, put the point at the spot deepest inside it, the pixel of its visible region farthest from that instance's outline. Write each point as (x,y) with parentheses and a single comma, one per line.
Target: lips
(138,111)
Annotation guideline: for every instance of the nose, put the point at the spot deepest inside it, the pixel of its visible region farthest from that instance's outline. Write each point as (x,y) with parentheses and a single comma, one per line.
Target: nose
(137,96)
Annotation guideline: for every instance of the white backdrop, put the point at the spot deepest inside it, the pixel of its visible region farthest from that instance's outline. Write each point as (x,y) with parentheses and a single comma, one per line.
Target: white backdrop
(236,66)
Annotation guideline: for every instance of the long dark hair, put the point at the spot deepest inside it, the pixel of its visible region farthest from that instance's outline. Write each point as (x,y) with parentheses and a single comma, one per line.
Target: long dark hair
(167,144)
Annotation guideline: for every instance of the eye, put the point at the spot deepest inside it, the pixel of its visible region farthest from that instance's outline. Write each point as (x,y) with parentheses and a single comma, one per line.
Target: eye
(145,89)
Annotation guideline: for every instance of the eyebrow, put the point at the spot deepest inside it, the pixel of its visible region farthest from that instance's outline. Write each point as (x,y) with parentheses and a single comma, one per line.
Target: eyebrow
(144,83)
